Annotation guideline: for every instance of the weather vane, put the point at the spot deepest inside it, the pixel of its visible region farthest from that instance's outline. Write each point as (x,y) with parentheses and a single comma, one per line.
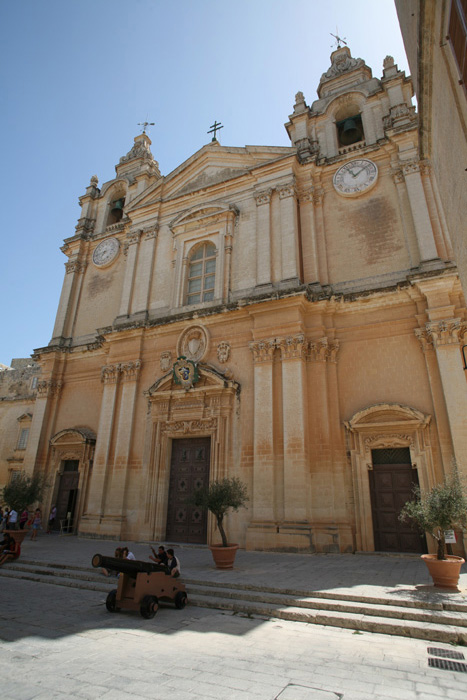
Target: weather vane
(338,39)
(215,128)
(145,125)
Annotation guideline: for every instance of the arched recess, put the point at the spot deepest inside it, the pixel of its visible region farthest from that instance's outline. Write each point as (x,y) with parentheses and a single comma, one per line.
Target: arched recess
(208,409)
(380,426)
(72,445)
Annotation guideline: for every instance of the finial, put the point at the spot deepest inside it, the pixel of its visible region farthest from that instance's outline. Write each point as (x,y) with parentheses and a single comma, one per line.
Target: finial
(388,62)
(145,125)
(94,181)
(214,128)
(338,39)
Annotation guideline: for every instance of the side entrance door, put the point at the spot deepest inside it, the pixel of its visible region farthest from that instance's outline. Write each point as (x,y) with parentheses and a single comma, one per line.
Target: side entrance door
(189,471)
(391,485)
(67,495)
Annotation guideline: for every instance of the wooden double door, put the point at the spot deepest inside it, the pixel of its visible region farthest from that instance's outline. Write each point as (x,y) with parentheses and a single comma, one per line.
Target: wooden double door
(391,485)
(189,471)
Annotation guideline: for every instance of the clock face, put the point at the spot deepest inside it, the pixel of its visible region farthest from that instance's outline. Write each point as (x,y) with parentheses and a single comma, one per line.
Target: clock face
(106,252)
(355,177)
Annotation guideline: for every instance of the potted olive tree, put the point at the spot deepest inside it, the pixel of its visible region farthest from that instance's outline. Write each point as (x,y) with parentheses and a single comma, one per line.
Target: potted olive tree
(219,497)
(443,507)
(20,493)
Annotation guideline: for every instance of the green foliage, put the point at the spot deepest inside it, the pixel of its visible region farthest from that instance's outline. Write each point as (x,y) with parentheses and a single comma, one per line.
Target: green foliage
(221,496)
(24,491)
(442,508)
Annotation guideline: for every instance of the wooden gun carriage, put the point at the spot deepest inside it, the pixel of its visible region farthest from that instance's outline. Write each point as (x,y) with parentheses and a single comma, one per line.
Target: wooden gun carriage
(141,585)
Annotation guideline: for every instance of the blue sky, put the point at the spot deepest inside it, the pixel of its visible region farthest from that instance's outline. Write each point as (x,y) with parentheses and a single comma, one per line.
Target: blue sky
(78,75)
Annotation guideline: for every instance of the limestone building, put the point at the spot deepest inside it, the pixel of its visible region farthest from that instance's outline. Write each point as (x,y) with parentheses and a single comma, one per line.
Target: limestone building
(288,315)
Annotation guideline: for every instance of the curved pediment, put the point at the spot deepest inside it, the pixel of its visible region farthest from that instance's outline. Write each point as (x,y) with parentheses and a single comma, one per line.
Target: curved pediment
(209,379)
(387,414)
(73,435)
(199,215)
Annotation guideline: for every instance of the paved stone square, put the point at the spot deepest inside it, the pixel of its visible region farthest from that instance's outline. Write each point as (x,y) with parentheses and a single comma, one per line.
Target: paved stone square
(59,643)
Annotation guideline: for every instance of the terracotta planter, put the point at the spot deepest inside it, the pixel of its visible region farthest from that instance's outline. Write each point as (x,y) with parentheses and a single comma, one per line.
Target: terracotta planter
(224,557)
(444,572)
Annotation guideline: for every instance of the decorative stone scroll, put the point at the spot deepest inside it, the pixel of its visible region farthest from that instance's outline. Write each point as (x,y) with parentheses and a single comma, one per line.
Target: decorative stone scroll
(47,388)
(193,343)
(189,426)
(166,360)
(223,351)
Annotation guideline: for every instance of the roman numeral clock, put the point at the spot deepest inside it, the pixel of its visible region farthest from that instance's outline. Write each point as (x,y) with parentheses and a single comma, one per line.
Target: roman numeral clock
(355,177)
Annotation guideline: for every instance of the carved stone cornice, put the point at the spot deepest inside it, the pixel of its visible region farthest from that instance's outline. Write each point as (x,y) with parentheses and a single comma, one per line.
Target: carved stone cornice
(85,225)
(387,440)
(189,426)
(444,332)
(130,370)
(263,197)
(47,388)
(75,266)
(292,347)
(263,350)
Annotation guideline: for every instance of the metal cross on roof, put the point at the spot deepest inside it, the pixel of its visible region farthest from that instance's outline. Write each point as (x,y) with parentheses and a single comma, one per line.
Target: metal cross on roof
(214,128)
(338,39)
(145,125)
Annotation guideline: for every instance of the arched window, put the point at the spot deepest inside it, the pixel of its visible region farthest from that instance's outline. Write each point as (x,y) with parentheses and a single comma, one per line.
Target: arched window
(201,274)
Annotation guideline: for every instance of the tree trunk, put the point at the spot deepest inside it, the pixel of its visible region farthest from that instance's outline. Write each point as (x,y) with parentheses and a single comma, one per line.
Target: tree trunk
(441,554)
(221,530)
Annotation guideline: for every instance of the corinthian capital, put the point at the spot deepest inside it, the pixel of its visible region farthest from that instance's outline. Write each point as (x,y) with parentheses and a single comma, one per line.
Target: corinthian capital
(424,338)
(75,266)
(287,190)
(263,350)
(323,349)
(263,197)
(444,332)
(130,370)
(109,374)
(47,388)
(292,347)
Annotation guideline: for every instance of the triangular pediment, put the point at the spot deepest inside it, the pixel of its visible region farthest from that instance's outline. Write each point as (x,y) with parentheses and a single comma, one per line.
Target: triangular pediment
(209,166)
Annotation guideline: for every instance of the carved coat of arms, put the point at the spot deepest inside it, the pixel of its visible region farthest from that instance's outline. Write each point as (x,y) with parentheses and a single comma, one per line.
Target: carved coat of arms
(185,372)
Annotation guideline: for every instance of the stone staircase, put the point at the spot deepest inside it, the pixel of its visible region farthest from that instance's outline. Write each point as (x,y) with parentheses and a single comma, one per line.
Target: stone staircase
(441,622)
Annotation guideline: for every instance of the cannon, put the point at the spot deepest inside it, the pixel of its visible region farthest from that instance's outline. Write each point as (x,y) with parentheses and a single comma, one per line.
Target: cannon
(141,585)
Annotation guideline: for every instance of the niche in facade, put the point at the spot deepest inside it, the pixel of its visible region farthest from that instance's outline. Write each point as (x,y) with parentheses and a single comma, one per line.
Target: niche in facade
(116,211)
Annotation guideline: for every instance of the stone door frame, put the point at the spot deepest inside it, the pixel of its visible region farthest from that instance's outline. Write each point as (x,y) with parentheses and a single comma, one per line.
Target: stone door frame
(206,410)
(384,426)
(71,444)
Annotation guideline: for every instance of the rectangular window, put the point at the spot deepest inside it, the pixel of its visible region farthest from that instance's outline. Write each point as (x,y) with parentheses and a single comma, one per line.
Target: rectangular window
(34,382)
(457,35)
(23,439)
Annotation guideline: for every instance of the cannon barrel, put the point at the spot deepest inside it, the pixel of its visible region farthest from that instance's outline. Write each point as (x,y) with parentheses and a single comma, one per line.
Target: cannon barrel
(130,567)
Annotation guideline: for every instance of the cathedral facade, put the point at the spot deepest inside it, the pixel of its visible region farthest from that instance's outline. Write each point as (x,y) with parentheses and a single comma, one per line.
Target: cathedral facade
(290,315)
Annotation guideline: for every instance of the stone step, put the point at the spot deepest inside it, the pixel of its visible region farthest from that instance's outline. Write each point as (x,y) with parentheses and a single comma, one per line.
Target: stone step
(435,622)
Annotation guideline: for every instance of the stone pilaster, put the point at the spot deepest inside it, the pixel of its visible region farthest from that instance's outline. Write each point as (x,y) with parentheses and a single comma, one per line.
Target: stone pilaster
(445,335)
(100,472)
(263,446)
(140,301)
(131,250)
(420,215)
(296,471)
(47,391)
(308,229)
(289,233)
(115,495)
(73,278)
(263,237)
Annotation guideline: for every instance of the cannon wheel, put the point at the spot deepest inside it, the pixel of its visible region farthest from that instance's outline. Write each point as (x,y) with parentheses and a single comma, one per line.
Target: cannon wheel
(149,606)
(180,600)
(111,601)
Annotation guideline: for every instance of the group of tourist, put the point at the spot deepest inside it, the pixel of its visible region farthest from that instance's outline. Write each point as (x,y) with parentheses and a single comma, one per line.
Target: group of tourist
(163,557)
(9,520)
